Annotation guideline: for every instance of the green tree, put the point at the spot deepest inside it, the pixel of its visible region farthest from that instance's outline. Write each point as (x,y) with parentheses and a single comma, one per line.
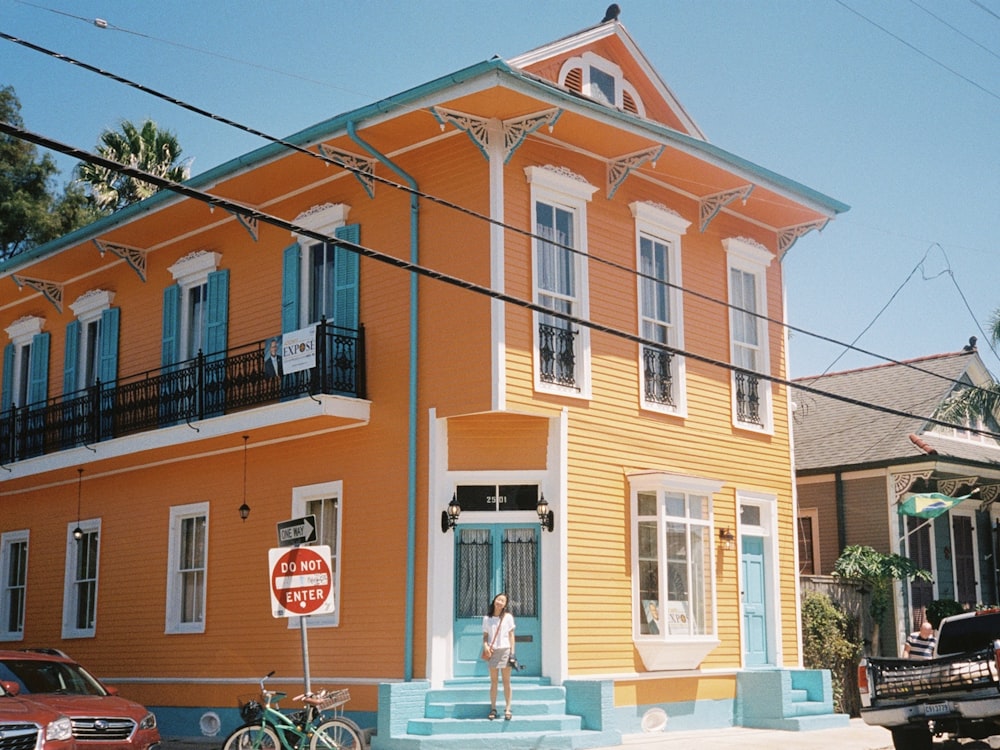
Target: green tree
(144,147)
(827,643)
(877,571)
(967,405)
(32,212)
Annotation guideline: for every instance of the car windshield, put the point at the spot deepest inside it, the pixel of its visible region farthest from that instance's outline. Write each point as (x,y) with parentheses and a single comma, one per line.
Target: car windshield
(37,676)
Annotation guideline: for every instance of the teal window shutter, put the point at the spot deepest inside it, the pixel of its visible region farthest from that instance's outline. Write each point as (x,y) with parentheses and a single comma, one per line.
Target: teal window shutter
(346,264)
(170,346)
(72,356)
(290,283)
(217,312)
(7,387)
(107,369)
(38,369)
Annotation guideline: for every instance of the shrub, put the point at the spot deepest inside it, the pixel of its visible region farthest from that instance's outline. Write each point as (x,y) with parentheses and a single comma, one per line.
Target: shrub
(827,644)
(938,609)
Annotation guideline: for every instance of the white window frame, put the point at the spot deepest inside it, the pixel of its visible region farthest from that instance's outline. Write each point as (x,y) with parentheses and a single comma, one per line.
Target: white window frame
(175,583)
(590,60)
(665,650)
(71,582)
(665,227)
(569,192)
(301,496)
(7,541)
(191,272)
(21,333)
(752,258)
(324,219)
(88,308)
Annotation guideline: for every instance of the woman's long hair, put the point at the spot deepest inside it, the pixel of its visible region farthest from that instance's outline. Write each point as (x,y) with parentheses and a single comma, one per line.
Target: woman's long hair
(490,610)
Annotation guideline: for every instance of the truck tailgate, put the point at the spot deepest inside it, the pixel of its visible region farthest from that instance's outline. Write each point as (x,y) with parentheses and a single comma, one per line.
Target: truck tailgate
(895,679)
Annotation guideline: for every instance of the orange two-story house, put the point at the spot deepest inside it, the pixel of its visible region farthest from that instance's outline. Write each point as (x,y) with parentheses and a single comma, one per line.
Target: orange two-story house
(528,327)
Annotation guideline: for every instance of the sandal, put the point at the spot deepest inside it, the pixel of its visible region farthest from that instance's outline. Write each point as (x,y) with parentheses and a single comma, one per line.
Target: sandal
(493,714)
(506,715)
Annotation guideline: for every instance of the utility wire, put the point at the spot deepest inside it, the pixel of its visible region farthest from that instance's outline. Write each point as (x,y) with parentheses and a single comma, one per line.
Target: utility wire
(454,206)
(955,29)
(364,251)
(918,50)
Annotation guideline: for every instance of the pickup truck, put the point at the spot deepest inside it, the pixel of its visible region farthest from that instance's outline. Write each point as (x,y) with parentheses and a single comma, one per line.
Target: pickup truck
(956,693)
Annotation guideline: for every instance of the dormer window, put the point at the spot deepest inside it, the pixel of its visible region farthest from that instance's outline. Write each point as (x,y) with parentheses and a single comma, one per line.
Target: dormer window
(601,80)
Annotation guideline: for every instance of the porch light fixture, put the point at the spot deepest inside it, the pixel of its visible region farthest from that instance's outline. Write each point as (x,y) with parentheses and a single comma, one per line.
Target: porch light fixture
(78,532)
(449,518)
(726,538)
(545,516)
(245,509)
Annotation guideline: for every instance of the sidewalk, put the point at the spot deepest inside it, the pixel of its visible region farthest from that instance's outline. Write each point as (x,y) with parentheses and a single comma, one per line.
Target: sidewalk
(856,736)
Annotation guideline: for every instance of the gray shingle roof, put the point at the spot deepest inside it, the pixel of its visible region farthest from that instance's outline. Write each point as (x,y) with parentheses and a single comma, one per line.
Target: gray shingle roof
(829,433)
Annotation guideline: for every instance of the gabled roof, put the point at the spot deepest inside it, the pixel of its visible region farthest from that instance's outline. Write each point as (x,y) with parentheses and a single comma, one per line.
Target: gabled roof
(833,434)
(611,41)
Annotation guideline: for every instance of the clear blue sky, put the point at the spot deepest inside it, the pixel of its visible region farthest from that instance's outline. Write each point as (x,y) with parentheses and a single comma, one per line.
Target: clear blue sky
(900,122)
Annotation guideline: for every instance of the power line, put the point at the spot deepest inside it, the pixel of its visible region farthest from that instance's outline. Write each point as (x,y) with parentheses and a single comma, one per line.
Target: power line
(918,50)
(362,250)
(955,29)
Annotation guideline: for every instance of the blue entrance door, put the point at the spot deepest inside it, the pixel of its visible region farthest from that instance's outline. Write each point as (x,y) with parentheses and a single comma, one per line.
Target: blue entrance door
(488,560)
(754,597)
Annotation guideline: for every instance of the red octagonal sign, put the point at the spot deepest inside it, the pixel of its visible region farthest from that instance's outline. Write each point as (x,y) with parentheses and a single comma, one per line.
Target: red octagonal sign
(301,581)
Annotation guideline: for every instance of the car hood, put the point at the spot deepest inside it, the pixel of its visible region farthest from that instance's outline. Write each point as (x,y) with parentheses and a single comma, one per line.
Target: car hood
(90,705)
(17,708)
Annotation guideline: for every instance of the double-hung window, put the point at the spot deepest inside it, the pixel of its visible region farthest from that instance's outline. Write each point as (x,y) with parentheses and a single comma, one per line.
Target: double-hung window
(559,269)
(674,611)
(658,249)
(325,503)
(749,351)
(187,568)
(83,546)
(13,583)
(196,308)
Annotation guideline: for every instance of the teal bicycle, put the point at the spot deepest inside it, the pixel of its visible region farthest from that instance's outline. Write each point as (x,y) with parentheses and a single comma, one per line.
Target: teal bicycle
(319,725)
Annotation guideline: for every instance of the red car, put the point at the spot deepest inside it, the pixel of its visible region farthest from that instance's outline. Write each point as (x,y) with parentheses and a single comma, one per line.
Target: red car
(101,719)
(27,725)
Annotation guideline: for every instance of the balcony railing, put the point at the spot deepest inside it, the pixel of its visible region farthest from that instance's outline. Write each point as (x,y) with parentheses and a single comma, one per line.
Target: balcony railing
(203,387)
(747,397)
(658,379)
(557,354)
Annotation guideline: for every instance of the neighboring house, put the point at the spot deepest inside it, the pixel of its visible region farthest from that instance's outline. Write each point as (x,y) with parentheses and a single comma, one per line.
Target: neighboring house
(856,464)
(457,287)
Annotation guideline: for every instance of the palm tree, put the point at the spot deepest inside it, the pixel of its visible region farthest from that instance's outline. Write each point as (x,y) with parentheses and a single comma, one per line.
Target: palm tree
(970,404)
(145,147)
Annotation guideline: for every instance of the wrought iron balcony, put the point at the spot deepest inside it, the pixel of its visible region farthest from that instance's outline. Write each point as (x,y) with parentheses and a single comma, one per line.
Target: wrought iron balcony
(658,379)
(747,397)
(557,354)
(200,388)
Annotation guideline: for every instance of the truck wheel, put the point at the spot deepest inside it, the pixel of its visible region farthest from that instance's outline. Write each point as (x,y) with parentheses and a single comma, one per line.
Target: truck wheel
(912,738)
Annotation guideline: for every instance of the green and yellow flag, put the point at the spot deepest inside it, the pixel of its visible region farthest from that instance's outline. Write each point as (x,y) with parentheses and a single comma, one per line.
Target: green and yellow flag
(930,505)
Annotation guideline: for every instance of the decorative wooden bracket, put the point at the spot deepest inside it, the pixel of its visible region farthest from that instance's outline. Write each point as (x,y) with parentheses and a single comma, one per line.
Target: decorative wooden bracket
(135,257)
(788,235)
(52,291)
(361,167)
(710,205)
(515,130)
(620,168)
(249,223)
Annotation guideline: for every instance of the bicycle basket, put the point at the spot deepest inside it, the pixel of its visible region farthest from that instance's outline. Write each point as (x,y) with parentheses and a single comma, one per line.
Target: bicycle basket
(334,699)
(250,708)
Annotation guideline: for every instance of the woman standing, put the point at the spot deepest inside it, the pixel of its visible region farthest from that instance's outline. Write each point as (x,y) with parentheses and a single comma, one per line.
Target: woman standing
(498,648)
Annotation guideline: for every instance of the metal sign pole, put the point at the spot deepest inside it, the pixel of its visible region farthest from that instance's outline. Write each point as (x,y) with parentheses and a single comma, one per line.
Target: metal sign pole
(305,652)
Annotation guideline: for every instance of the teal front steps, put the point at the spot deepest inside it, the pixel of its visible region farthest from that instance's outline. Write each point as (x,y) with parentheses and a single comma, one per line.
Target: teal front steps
(791,699)
(573,716)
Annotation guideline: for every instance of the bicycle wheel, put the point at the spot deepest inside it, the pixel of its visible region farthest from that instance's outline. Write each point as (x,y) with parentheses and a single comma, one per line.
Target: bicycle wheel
(335,734)
(252,737)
